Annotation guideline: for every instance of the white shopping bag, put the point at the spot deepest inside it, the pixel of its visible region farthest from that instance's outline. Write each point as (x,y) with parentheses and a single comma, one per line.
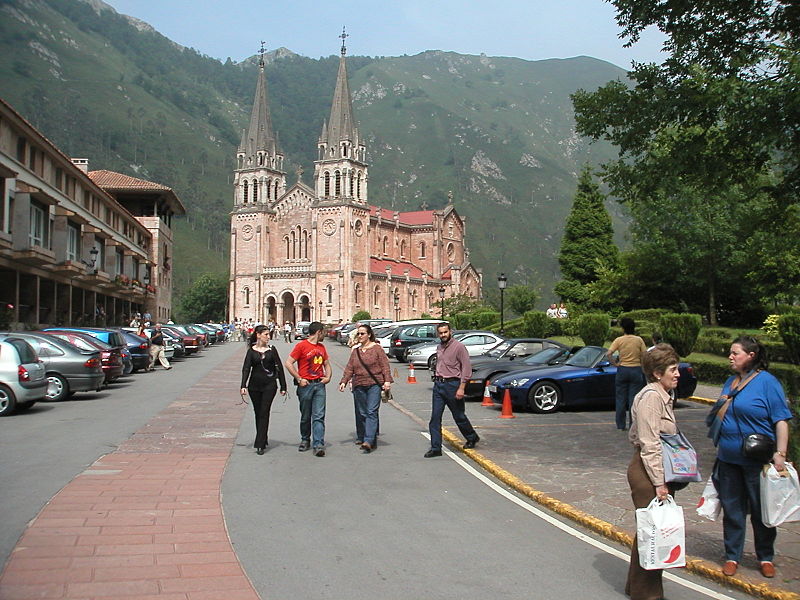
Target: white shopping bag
(780,496)
(660,535)
(709,505)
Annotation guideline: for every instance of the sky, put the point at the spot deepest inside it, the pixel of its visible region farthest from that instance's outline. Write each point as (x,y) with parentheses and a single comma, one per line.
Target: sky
(528,29)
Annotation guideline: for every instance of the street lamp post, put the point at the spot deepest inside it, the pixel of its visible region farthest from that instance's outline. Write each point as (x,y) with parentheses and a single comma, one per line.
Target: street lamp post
(319,315)
(502,281)
(396,306)
(441,299)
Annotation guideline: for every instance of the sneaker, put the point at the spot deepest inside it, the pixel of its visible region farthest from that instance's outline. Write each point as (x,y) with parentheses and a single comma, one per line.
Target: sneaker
(303,446)
(319,452)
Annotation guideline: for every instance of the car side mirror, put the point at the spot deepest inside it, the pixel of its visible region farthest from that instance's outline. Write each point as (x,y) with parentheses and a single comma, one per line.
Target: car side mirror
(511,356)
(603,364)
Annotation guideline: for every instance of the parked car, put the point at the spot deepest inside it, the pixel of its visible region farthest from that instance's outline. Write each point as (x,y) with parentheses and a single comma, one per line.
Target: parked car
(301,330)
(139,347)
(211,332)
(586,378)
(110,356)
(22,376)
(343,336)
(68,369)
(333,332)
(374,322)
(191,342)
(200,333)
(383,335)
(112,337)
(477,342)
(485,370)
(410,334)
(219,331)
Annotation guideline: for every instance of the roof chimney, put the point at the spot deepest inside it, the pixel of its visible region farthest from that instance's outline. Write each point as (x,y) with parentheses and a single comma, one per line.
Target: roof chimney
(81,163)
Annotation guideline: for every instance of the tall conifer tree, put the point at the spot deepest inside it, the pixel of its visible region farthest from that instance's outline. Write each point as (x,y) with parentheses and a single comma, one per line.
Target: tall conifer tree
(588,242)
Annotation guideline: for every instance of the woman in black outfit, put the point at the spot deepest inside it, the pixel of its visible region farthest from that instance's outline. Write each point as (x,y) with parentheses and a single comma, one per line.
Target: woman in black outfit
(264,369)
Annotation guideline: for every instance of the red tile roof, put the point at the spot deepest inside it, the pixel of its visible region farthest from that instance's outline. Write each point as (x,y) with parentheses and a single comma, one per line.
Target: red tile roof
(398,268)
(118,181)
(417,217)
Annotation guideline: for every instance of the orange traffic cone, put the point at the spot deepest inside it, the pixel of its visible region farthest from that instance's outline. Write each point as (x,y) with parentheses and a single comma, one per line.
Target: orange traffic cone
(507,413)
(411,377)
(487,397)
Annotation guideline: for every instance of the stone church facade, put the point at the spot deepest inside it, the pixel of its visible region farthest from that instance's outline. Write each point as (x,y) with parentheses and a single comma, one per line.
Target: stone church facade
(321,251)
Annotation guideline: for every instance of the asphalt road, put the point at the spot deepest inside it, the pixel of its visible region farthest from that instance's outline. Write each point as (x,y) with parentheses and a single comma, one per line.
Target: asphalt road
(44,448)
(395,525)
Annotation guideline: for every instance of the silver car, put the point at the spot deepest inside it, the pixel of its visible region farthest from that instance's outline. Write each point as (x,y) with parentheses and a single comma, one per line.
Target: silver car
(22,376)
(477,342)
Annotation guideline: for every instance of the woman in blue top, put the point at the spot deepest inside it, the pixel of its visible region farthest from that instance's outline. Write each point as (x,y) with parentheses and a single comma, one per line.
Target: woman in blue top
(758,406)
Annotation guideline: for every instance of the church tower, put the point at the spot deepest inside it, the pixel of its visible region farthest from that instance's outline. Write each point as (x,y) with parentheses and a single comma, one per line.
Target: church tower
(259,180)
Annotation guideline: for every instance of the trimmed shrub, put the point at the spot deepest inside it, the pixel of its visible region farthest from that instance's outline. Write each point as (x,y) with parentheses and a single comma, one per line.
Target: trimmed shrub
(613,333)
(680,331)
(789,328)
(570,326)
(537,323)
(514,328)
(460,321)
(362,314)
(593,328)
(484,319)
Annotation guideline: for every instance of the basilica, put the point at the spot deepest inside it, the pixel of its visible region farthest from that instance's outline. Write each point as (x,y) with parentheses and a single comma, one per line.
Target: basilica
(321,251)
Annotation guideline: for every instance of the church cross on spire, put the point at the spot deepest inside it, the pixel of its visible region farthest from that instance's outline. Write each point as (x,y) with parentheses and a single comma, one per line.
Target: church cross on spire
(344,36)
(261,53)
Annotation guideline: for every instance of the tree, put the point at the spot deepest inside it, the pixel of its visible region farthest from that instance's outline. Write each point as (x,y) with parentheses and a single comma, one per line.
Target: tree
(521,298)
(588,242)
(205,300)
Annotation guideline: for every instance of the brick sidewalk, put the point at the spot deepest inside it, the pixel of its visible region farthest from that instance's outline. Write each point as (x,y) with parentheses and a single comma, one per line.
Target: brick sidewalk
(145,521)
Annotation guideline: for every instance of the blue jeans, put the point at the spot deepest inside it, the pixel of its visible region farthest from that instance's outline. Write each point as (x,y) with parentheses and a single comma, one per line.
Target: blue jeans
(628,382)
(312,412)
(368,402)
(444,394)
(739,488)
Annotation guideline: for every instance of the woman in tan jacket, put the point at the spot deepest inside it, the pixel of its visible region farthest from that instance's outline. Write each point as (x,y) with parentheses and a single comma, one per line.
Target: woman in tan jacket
(651,415)
(368,369)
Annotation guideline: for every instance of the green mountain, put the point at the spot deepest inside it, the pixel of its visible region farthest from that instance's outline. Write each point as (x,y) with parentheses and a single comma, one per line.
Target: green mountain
(497,132)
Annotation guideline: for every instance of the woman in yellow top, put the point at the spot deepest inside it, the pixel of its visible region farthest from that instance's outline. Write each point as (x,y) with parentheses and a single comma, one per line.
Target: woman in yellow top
(630,378)
(652,414)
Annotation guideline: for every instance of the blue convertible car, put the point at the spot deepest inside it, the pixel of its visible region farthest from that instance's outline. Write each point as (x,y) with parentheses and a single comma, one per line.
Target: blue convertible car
(587,378)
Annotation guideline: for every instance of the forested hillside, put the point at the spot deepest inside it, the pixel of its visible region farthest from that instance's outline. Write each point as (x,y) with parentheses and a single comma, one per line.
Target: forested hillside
(498,132)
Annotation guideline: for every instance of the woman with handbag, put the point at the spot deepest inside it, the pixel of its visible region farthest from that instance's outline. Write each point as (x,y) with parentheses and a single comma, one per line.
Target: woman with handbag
(750,423)
(651,415)
(368,369)
(262,371)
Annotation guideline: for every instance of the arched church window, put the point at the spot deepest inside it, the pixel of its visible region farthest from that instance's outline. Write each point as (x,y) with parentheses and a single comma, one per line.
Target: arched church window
(422,249)
(246,296)
(337,184)
(304,253)
(327,184)
(329,293)
(357,293)
(275,190)
(414,299)
(286,240)
(344,150)
(358,186)
(385,244)
(255,190)
(269,188)
(352,180)
(244,193)
(294,245)
(403,248)
(376,296)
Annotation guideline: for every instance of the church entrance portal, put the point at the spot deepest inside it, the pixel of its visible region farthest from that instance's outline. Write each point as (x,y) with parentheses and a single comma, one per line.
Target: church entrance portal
(288,308)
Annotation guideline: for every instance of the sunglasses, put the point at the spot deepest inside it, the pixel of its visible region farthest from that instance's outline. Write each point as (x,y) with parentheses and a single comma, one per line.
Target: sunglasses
(362,333)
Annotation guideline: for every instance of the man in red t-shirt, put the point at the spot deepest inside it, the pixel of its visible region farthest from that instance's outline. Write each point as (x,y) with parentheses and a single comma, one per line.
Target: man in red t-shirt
(308,363)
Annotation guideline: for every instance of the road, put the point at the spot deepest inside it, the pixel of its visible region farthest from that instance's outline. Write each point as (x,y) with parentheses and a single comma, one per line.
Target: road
(390,524)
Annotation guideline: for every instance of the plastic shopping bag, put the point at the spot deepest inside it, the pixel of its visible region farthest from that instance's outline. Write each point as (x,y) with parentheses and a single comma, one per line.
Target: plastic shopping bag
(660,535)
(709,505)
(780,496)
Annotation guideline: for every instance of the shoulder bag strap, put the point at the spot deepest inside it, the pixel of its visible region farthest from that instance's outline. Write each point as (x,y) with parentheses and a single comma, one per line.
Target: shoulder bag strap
(737,386)
(358,353)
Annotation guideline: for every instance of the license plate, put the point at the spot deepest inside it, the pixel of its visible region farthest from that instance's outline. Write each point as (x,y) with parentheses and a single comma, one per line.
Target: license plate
(492,389)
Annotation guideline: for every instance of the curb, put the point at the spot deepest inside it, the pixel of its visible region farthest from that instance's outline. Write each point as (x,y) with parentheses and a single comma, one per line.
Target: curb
(695,565)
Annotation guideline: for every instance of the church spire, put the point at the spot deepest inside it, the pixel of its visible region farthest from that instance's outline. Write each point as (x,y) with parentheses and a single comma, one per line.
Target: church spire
(339,138)
(259,137)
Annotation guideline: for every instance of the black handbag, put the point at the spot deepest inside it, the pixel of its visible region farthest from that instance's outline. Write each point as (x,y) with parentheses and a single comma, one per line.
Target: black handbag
(759,447)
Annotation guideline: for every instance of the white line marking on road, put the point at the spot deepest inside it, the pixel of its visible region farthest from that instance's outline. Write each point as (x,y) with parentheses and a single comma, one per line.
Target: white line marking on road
(570,530)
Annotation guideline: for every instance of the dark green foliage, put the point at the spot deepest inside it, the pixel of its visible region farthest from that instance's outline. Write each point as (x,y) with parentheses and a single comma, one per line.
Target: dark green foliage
(362,314)
(537,324)
(480,319)
(644,314)
(789,329)
(593,328)
(680,331)
(204,301)
(519,299)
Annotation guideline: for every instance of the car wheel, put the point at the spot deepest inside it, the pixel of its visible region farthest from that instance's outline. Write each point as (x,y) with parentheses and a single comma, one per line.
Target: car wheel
(544,397)
(432,363)
(8,401)
(57,388)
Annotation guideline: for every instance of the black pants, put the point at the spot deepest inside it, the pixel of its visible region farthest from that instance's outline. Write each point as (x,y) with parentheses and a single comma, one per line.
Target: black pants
(262,403)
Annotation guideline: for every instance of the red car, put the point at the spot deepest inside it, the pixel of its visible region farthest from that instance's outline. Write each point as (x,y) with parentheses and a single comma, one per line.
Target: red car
(191,342)
(110,357)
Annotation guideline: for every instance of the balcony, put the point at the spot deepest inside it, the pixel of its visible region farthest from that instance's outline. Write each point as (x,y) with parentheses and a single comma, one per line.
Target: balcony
(70,268)
(35,256)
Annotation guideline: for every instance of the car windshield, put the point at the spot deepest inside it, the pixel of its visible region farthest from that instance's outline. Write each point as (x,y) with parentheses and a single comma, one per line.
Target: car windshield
(499,349)
(383,332)
(543,356)
(586,357)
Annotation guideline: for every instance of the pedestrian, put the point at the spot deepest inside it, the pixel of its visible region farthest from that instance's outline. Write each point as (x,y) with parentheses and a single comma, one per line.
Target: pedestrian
(562,311)
(157,349)
(368,370)
(453,370)
(262,373)
(287,332)
(552,312)
(629,378)
(752,401)
(309,365)
(651,415)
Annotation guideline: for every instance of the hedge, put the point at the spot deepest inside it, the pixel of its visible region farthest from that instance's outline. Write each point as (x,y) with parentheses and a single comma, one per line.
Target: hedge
(593,328)
(537,323)
(716,370)
(789,328)
(680,331)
